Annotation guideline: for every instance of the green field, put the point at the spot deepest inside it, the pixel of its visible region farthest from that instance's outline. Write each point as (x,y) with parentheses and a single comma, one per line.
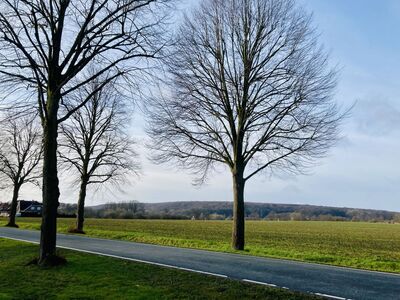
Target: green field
(373,246)
(94,277)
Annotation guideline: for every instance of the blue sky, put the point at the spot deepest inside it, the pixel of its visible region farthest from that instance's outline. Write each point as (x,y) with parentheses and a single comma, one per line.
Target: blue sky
(363,170)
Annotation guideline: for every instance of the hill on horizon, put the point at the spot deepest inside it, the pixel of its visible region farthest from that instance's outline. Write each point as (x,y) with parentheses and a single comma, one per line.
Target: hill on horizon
(219,210)
(222,210)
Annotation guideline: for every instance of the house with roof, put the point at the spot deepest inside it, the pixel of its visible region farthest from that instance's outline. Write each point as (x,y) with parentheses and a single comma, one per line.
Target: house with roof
(29,208)
(25,208)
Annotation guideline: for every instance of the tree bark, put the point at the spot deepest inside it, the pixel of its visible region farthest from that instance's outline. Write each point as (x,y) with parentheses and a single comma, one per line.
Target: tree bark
(238,210)
(50,183)
(80,216)
(14,203)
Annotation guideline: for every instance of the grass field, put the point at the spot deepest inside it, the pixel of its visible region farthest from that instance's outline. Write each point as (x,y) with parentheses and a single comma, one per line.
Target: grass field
(93,277)
(373,246)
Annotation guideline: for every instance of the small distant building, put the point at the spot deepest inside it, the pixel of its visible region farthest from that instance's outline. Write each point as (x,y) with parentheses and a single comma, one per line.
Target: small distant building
(29,208)
(25,208)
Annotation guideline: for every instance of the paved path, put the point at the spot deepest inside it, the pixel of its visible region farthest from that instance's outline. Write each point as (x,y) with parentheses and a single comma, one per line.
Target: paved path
(336,282)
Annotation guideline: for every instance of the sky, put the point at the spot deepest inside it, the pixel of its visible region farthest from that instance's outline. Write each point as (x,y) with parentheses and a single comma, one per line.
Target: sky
(361,171)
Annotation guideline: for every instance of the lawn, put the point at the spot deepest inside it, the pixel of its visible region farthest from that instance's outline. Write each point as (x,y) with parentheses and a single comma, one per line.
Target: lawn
(372,246)
(94,277)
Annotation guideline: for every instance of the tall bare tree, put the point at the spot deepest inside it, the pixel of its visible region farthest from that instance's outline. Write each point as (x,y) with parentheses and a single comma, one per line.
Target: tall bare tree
(46,47)
(20,155)
(94,143)
(251,89)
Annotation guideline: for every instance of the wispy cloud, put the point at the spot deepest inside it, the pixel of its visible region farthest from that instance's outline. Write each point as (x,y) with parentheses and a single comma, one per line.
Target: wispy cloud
(376,116)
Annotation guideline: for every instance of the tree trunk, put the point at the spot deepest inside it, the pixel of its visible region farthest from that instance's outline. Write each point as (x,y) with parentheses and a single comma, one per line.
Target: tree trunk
(238,211)
(50,190)
(14,203)
(80,217)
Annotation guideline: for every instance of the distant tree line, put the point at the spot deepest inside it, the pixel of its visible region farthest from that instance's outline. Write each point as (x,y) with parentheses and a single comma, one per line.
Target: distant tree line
(121,210)
(223,211)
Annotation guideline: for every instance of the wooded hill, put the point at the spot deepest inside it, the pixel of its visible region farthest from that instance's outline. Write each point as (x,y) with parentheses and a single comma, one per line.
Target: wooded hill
(206,210)
(216,210)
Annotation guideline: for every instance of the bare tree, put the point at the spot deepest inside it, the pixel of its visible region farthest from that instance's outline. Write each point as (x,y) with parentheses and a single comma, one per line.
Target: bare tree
(46,47)
(20,155)
(251,89)
(94,143)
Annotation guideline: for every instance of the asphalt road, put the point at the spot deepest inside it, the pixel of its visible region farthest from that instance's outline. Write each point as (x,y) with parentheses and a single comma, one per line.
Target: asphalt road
(329,281)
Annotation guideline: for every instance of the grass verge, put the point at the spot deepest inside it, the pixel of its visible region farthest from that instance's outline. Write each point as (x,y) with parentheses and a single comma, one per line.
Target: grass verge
(89,276)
